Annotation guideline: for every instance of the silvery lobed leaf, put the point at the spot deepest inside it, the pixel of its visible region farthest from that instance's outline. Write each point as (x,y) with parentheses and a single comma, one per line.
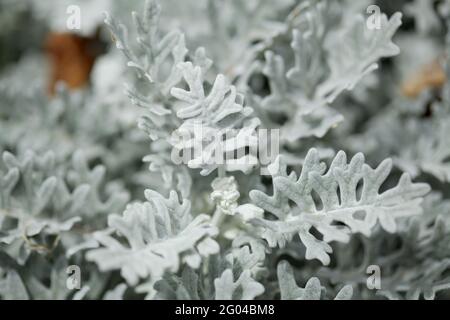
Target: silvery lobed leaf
(160,235)
(312,291)
(331,202)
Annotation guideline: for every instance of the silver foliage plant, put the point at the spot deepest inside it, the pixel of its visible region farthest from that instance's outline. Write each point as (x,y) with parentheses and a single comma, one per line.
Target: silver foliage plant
(360,180)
